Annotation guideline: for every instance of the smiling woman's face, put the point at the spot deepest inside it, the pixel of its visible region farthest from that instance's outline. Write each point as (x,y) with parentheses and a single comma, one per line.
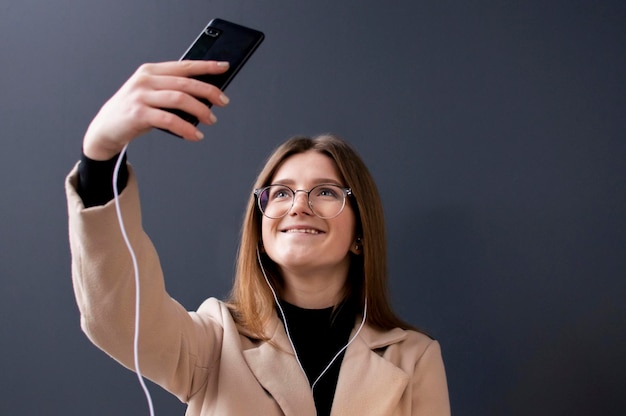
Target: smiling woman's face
(301,242)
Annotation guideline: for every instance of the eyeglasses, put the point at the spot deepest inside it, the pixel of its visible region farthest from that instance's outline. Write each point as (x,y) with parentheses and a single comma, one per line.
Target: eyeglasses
(325,200)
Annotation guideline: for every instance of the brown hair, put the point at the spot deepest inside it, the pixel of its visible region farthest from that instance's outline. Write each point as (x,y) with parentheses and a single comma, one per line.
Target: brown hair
(251,300)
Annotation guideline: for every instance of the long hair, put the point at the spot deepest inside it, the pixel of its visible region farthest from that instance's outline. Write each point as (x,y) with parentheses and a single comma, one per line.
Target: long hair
(251,301)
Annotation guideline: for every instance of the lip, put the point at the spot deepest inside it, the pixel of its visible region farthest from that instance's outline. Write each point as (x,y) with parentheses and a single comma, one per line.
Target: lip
(301,229)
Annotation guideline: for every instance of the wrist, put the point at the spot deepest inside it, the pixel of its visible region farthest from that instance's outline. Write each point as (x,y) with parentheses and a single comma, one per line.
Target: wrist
(95,150)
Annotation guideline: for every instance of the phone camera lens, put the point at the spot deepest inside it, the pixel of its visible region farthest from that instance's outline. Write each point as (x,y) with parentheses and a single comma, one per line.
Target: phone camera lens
(212,32)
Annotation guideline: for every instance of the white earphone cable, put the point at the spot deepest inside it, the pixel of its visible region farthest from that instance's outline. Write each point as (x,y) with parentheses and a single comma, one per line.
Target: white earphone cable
(344,347)
(137,284)
(282,313)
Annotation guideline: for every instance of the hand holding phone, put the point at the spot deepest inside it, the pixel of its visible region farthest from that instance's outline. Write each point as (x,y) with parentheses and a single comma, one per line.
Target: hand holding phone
(221,40)
(137,106)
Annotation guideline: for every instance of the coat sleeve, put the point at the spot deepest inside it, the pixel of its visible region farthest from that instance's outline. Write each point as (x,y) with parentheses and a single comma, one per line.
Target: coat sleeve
(429,384)
(169,350)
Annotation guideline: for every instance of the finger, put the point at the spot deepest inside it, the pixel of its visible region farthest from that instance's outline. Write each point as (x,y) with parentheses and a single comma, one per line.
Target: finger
(190,86)
(187,68)
(168,121)
(179,101)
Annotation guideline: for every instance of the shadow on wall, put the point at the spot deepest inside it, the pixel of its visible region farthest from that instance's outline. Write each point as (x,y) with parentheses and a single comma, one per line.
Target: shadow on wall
(520,334)
(578,371)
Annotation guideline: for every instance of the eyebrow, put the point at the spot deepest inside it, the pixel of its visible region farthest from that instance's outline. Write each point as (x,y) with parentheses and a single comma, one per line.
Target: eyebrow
(318,181)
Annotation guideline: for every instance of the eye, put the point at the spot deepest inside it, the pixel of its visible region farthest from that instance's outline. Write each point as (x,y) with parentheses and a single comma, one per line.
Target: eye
(279,192)
(328,192)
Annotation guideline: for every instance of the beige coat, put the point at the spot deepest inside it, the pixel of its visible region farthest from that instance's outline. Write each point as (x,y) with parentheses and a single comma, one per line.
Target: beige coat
(206,360)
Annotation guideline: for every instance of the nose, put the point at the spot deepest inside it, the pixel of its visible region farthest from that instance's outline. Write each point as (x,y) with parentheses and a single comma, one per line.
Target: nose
(301,203)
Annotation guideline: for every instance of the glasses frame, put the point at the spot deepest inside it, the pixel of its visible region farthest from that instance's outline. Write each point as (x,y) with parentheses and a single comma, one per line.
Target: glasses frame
(345,191)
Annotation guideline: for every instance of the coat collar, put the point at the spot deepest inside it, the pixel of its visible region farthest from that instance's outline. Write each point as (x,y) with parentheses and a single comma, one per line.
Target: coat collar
(277,370)
(367,384)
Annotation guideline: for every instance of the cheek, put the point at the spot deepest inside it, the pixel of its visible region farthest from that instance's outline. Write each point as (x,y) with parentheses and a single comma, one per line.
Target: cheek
(268,226)
(347,231)
(264,230)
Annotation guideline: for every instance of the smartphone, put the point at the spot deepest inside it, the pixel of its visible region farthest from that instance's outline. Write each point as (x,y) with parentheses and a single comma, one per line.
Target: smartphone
(221,40)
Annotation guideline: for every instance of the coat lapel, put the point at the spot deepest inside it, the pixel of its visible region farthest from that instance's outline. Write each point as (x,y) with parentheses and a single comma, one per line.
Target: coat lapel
(277,370)
(368,384)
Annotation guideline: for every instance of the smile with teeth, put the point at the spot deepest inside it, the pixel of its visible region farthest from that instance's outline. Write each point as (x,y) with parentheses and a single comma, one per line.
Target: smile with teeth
(302,231)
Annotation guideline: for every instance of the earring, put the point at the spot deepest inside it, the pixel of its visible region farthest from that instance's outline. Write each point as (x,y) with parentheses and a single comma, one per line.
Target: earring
(357,245)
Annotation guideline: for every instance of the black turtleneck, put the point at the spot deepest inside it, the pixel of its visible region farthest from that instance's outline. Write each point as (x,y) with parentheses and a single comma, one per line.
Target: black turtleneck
(95,180)
(318,335)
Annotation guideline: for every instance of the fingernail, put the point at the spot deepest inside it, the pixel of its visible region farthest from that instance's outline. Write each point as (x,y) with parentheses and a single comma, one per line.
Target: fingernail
(213,118)
(224,99)
(199,135)
(222,63)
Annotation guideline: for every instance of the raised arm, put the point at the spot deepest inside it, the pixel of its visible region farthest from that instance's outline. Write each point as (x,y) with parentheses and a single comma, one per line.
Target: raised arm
(102,269)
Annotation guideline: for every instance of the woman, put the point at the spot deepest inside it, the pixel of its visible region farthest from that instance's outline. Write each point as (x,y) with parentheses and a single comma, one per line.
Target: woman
(307,329)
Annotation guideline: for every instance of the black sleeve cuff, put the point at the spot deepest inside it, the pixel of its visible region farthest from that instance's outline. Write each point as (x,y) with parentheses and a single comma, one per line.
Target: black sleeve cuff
(95,180)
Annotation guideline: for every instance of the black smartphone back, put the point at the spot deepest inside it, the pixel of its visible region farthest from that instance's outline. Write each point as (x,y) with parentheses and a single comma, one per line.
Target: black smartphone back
(222,40)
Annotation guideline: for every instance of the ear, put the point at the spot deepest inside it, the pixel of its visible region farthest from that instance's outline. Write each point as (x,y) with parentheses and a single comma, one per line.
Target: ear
(357,246)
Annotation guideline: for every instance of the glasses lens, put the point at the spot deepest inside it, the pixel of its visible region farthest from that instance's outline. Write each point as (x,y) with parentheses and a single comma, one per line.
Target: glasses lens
(327,201)
(275,201)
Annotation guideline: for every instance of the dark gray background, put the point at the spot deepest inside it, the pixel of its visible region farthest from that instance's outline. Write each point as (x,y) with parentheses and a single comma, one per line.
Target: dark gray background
(495,131)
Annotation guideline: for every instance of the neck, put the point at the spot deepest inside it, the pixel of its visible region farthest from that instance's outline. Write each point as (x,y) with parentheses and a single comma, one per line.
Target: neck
(313,291)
